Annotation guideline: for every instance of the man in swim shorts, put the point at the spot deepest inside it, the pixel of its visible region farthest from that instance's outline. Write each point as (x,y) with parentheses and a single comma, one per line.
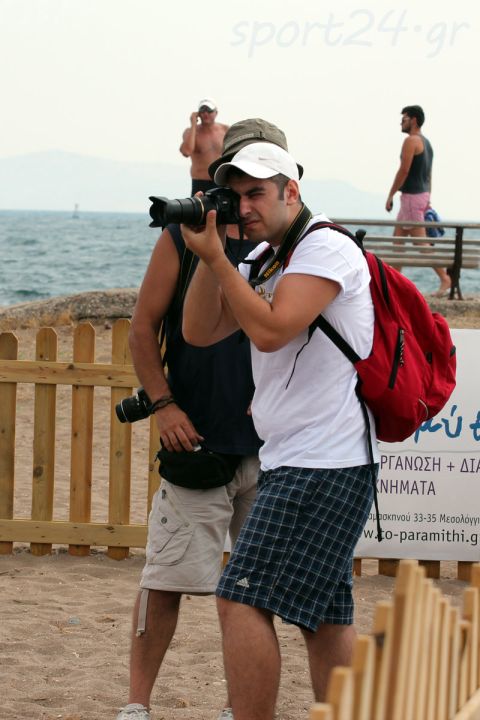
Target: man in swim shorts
(414,181)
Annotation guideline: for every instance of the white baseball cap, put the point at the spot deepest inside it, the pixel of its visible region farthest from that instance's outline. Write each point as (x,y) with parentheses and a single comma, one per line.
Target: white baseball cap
(209,103)
(260,160)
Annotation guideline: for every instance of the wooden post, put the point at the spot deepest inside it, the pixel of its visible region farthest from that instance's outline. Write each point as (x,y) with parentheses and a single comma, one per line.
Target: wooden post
(402,618)
(419,591)
(363,664)
(420,699)
(432,568)
(475,575)
(120,443)
(475,582)
(321,711)
(470,613)
(357,566)
(8,407)
(44,439)
(464,570)
(441,711)
(340,693)
(382,633)
(463,665)
(388,567)
(82,436)
(454,664)
(433,645)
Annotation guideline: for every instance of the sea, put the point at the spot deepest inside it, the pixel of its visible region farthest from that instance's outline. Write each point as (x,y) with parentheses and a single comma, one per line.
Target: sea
(49,254)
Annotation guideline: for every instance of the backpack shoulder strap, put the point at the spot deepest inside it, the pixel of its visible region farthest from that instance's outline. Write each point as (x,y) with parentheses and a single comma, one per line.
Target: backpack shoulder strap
(321,322)
(340,342)
(357,238)
(187,266)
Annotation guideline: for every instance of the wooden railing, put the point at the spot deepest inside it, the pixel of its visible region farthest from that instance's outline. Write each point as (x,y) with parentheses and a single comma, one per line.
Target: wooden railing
(86,377)
(421,662)
(389,567)
(452,252)
(41,530)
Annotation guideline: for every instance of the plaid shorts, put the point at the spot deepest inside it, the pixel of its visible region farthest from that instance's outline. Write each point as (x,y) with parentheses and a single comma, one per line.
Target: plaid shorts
(294,554)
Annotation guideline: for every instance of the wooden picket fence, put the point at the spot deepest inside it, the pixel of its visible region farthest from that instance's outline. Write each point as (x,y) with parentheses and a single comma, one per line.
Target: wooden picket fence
(421,662)
(83,375)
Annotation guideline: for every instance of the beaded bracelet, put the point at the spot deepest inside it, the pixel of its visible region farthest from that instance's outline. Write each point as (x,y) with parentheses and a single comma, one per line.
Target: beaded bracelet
(161,403)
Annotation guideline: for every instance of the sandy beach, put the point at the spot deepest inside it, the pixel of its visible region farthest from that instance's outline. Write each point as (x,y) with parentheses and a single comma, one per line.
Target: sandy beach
(64,636)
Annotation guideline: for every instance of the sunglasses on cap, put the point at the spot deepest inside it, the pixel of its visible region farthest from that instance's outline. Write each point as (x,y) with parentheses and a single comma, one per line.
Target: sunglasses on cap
(204,108)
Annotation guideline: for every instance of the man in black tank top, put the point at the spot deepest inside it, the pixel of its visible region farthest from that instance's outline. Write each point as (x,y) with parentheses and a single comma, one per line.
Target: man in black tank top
(205,399)
(413,180)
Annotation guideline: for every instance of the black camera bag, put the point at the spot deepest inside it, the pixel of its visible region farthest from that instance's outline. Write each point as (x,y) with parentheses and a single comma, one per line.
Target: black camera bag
(198,470)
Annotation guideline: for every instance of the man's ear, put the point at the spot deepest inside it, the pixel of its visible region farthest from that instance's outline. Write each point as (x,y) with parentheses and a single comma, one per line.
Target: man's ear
(292,192)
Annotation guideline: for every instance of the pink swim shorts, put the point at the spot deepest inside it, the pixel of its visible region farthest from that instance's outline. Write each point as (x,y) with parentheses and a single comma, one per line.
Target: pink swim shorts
(413,206)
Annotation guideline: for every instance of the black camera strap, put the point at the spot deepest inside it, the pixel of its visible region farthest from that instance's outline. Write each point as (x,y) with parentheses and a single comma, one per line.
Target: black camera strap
(290,240)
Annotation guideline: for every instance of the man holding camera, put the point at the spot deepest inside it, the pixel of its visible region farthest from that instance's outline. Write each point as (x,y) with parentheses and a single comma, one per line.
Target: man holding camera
(205,400)
(202,142)
(293,557)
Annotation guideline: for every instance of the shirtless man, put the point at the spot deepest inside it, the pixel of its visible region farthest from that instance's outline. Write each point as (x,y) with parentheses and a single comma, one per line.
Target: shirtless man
(203,143)
(414,180)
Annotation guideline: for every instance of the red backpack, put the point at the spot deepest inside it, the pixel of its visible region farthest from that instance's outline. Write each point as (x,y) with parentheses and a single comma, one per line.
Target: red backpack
(410,373)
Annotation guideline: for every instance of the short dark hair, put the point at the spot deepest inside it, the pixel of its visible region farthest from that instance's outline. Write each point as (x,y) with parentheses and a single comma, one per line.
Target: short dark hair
(415,111)
(281,182)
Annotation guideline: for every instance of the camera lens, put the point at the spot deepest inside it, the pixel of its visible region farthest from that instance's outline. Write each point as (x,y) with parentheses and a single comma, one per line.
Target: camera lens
(133,408)
(119,409)
(193,210)
(189,211)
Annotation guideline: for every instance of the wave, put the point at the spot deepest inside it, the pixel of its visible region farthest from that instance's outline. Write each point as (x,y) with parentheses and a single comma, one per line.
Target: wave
(48,254)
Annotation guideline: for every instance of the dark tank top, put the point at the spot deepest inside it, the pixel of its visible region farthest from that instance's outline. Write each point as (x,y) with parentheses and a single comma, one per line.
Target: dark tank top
(418,178)
(214,384)
(203,185)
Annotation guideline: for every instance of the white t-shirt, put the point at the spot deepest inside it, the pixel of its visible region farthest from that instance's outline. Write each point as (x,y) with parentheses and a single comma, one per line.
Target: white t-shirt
(317,421)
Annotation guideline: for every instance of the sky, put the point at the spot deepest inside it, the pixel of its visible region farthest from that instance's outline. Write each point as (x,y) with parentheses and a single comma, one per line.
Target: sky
(118,79)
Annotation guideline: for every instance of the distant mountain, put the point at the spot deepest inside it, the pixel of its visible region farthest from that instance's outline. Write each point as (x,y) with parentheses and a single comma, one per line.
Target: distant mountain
(57,180)
(340,199)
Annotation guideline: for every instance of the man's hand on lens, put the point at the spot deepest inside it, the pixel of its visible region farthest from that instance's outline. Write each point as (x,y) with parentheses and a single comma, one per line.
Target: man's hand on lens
(205,240)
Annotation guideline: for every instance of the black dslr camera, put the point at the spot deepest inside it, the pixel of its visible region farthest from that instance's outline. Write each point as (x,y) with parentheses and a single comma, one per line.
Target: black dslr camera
(193,210)
(136,407)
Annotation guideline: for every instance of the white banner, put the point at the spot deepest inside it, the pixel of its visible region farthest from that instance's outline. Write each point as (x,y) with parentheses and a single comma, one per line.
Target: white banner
(429,485)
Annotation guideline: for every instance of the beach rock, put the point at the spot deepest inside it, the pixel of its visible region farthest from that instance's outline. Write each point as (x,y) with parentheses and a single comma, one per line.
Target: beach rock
(470,305)
(97,306)
(105,306)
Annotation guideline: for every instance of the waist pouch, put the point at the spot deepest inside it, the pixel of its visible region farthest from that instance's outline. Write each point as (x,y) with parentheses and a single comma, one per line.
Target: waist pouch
(198,470)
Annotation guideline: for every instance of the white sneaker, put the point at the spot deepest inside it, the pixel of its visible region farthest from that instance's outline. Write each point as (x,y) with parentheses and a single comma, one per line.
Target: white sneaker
(134,711)
(226,714)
